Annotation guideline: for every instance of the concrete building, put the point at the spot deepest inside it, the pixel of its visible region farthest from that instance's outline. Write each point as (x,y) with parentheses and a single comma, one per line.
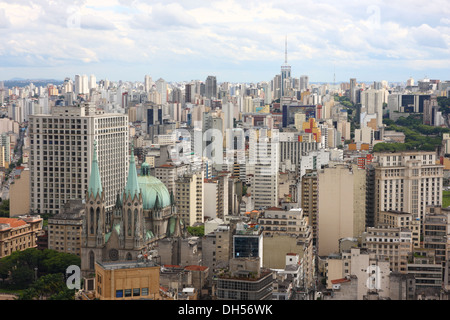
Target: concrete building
(395,244)
(266,163)
(168,173)
(341,206)
(127,280)
(398,219)
(19,195)
(371,274)
(407,181)
(65,228)
(310,200)
(61,155)
(189,197)
(436,232)
(245,281)
(18,234)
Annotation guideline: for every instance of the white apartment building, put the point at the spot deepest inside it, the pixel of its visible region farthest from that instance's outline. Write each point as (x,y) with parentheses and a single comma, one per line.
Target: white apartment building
(407,181)
(265,156)
(189,198)
(61,151)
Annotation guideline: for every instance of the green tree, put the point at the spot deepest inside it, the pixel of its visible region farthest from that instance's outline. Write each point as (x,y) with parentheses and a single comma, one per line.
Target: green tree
(22,277)
(196,231)
(51,287)
(4,208)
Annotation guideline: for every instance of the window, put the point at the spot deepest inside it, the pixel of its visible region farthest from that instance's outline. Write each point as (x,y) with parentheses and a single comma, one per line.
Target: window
(127,292)
(119,293)
(145,291)
(136,292)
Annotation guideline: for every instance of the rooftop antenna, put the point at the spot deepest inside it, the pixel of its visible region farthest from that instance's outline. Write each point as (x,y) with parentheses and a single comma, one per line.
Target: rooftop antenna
(334,76)
(285,51)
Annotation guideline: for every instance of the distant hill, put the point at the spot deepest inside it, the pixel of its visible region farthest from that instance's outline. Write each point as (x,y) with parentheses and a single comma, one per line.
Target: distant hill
(19,82)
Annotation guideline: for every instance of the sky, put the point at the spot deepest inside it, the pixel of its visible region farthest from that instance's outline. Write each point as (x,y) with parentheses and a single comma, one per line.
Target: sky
(237,41)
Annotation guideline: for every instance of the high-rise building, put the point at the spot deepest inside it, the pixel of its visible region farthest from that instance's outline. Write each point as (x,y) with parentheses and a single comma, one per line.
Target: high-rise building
(92,82)
(265,157)
(407,181)
(147,83)
(61,155)
(341,206)
(161,88)
(430,107)
(310,200)
(189,198)
(211,87)
(304,83)
(352,90)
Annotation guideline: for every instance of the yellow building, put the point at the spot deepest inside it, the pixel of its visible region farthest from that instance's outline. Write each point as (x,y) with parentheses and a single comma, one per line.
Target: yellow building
(310,126)
(18,234)
(127,280)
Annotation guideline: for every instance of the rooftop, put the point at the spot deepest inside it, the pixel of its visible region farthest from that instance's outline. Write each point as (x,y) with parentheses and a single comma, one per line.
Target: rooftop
(129,264)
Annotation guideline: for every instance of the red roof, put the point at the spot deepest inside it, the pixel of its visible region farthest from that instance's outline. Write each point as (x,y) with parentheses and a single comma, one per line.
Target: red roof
(14,223)
(339,281)
(171,266)
(166,165)
(195,268)
(274,209)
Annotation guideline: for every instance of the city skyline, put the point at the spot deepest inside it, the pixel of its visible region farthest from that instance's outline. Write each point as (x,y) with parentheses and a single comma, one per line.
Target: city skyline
(182,41)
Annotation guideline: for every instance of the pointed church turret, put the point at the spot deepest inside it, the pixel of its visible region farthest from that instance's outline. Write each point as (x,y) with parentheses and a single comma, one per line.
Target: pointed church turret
(95,183)
(132,187)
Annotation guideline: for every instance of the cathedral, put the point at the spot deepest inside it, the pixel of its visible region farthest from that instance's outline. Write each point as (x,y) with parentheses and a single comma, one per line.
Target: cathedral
(144,213)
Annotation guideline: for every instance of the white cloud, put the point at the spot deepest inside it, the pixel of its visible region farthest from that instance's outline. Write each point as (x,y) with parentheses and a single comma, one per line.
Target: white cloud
(225,33)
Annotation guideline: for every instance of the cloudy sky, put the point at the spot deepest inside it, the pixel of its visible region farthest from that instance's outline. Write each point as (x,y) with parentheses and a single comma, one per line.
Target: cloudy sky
(237,41)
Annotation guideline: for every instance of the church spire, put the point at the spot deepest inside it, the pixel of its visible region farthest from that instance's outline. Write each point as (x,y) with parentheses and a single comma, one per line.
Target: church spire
(132,187)
(95,183)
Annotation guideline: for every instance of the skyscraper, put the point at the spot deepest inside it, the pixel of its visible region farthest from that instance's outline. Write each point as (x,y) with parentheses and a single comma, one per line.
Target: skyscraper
(147,83)
(92,82)
(61,155)
(304,82)
(211,87)
(161,87)
(264,153)
(352,90)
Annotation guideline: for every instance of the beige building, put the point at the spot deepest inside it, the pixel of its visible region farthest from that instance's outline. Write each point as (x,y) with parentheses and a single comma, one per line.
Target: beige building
(127,280)
(309,200)
(65,228)
(394,244)
(168,173)
(276,220)
(18,234)
(19,195)
(397,219)
(342,202)
(407,182)
(189,198)
(436,232)
(369,271)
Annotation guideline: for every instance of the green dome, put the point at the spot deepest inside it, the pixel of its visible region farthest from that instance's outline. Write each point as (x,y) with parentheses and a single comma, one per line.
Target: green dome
(150,187)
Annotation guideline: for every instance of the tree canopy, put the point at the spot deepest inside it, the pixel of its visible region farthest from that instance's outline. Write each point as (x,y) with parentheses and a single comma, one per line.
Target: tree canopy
(23,268)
